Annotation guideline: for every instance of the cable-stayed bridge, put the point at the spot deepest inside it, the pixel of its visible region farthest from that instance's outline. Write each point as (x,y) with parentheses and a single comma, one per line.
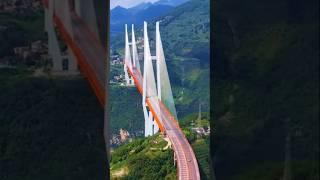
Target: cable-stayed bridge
(80,24)
(157,100)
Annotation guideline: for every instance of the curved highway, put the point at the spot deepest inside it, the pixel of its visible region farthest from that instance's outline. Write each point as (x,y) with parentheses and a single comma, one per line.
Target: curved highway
(187,165)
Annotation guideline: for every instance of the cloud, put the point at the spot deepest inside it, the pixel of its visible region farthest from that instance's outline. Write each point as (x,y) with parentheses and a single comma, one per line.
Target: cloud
(127,3)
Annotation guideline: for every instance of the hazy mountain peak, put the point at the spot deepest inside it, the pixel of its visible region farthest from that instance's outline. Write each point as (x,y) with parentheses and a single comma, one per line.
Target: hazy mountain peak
(117,8)
(171,2)
(141,6)
(136,15)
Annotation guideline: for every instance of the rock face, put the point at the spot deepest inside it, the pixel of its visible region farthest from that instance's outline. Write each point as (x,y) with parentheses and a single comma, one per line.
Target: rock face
(124,135)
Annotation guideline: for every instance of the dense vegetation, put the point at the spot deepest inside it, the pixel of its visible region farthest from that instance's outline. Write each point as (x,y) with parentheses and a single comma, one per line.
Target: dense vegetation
(200,145)
(126,160)
(266,85)
(50,128)
(185,35)
(147,158)
(125,109)
(20,30)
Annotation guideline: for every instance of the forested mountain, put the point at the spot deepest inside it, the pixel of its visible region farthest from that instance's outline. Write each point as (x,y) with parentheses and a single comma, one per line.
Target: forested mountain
(145,11)
(185,36)
(266,90)
(50,128)
(135,15)
(146,158)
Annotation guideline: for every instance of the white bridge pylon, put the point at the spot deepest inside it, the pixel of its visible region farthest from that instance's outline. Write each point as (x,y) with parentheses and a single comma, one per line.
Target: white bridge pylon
(127,59)
(152,89)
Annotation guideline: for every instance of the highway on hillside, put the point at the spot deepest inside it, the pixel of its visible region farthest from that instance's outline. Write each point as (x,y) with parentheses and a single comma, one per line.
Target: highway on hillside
(187,165)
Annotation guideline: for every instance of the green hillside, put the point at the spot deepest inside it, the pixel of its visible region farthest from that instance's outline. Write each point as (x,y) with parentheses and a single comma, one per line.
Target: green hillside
(200,145)
(266,90)
(125,109)
(51,128)
(157,158)
(147,158)
(185,36)
(21,30)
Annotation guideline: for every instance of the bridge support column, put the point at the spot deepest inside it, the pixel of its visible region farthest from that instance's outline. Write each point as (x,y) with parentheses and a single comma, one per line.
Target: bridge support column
(174,158)
(149,88)
(128,60)
(63,62)
(72,63)
(128,78)
(53,42)
(150,125)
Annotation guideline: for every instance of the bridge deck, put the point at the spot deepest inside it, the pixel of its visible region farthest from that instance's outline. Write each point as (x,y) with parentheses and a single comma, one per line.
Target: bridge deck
(186,160)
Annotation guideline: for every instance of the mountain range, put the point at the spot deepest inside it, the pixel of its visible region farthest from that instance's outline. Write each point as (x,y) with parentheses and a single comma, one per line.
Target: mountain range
(171,2)
(145,11)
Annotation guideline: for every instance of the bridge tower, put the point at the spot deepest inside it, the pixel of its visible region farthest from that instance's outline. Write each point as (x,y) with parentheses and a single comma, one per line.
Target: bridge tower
(149,86)
(128,64)
(158,105)
(63,61)
(131,59)
(158,88)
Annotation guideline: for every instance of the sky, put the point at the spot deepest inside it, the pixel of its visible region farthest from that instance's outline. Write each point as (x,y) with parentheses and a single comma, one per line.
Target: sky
(127,3)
